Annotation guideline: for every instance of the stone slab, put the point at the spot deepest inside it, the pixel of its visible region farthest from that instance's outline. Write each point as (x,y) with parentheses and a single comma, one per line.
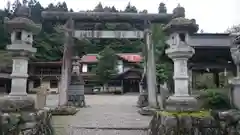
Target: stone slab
(80,131)
(108,132)
(182,103)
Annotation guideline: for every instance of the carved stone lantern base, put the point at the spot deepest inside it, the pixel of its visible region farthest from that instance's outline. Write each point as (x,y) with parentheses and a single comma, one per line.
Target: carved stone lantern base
(142,100)
(181,103)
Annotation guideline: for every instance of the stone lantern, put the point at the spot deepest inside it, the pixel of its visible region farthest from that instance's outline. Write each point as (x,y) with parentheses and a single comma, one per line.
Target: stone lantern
(235,82)
(180,51)
(76,88)
(22,30)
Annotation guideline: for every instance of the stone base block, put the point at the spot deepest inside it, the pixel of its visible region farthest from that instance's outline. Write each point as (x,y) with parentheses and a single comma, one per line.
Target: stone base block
(142,100)
(16,103)
(17,95)
(76,100)
(181,103)
(148,111)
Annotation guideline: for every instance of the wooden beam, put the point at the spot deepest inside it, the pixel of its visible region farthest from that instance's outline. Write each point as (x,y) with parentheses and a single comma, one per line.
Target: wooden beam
(5,75)
(106,16)
(204,66)
(109,34)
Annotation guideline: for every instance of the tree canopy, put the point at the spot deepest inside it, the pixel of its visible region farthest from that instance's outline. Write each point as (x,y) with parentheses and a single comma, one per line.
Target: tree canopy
(234,29)
(107,65)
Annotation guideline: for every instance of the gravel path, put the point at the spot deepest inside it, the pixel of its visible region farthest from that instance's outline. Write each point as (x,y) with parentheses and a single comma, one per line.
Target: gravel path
(105,115)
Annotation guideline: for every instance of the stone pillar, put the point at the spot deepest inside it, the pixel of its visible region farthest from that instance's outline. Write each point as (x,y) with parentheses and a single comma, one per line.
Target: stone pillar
(235,82)
(67,63)
(151,70)
(180,51)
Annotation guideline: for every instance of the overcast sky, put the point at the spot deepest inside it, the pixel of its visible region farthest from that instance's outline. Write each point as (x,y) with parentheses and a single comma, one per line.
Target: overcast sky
(213,16)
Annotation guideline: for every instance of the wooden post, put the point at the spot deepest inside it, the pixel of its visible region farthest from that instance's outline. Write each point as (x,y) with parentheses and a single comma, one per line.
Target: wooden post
(216,78)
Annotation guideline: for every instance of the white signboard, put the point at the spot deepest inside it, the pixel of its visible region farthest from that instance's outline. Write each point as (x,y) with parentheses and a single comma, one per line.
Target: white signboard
(109,34)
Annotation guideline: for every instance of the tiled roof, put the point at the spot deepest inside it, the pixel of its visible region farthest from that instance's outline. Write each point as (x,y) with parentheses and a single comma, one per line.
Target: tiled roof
(89,58)
(131,57)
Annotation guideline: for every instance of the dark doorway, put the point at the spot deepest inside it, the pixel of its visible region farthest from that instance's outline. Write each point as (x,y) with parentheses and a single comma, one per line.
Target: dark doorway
(130,85)
(5,85)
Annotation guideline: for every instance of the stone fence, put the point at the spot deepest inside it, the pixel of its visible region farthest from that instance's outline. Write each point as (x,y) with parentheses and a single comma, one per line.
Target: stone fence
(196,123)
(22,116)
(26,123)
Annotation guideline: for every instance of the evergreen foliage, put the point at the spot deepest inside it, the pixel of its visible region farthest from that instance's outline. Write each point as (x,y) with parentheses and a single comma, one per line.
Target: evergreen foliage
(107,65)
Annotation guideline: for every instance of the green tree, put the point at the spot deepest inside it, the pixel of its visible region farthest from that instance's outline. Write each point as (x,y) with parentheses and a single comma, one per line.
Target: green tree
(163,63)
(233,29)
(162,8)
(106,67)
(49,46)
(99,8)
(130,8)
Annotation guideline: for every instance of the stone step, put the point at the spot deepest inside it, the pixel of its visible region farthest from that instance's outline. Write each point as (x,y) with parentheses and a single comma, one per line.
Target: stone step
(108,132)
(102,131)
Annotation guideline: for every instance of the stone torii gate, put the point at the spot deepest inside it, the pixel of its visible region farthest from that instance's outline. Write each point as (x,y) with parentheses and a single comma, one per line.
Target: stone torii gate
(71,18)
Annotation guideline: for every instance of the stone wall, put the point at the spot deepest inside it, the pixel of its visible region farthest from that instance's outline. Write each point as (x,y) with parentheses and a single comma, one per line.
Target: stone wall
(19,116)
(33,122)
(195,123)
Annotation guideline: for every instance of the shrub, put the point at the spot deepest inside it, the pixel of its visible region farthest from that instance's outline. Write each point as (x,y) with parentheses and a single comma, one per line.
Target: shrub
(215,99)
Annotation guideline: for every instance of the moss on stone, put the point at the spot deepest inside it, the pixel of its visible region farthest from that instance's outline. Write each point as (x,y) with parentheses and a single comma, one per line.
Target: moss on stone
(64,110)
(198,114)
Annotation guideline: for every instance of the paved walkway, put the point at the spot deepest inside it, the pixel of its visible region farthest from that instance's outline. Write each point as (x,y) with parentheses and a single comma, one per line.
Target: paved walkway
(106,115)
